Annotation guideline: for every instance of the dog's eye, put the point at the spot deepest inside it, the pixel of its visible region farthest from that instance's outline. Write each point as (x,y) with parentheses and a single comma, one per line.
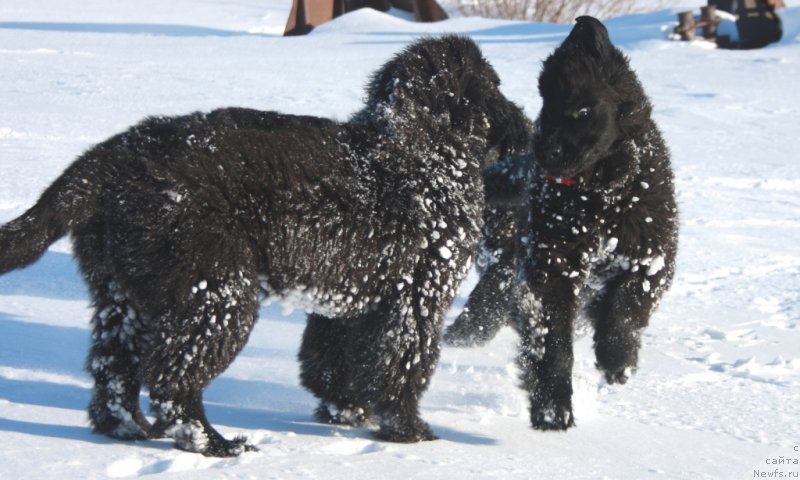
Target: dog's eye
(582,114)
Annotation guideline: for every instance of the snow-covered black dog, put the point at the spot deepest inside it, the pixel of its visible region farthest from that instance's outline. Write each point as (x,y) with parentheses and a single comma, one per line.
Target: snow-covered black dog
(333,347)
(597,233)
(355,382)
(180,224)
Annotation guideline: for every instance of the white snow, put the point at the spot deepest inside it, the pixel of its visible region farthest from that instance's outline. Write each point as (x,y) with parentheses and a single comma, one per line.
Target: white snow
(717,392)
(654,265)
(445,253)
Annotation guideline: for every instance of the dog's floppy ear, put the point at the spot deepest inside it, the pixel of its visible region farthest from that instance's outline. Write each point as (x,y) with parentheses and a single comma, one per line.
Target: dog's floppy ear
(590,34)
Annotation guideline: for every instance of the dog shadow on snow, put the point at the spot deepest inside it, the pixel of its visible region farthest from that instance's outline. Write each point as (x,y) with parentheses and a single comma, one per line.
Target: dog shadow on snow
(46,393)
(58,354)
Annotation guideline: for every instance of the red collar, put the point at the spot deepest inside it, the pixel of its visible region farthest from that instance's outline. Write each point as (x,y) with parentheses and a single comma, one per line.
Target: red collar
(561,180)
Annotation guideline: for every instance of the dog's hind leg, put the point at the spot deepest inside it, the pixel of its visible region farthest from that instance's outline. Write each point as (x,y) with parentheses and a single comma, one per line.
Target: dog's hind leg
(194,341)
(114,363)
(324,370)
(117,343)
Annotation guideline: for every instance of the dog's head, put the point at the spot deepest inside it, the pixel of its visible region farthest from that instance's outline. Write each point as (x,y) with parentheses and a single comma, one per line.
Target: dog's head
(591,100)
(444,86)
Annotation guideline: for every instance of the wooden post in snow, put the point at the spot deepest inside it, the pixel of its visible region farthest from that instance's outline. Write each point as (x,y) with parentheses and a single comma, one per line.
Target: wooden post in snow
(305,15)
(428,11)
(686,25)
(708,17)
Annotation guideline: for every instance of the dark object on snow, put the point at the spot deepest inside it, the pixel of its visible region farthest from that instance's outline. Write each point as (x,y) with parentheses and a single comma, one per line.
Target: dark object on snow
(180,224)
(729,5)
(598,225)
(428,11)
(305,15)
(757,23)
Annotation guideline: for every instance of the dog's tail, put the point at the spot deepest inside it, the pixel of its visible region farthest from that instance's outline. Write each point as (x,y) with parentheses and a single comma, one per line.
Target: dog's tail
(68,202)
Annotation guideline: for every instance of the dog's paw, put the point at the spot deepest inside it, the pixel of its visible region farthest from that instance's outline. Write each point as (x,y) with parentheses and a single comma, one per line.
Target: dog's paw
(618,359)
(130,432)
(193,436)
(462,334)
(552,418)
(405,432)
(617,365)
(130,427)
(353,416)
(469,330)
(228,448)
(618,376)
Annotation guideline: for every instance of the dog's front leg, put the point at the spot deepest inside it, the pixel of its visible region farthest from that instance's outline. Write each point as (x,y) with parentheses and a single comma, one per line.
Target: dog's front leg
(545,326)
(620,314)
(392,360)
(196,341)
(487,309)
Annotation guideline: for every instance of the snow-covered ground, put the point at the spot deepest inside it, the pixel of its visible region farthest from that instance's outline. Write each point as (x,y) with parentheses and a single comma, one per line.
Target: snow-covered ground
(718,391)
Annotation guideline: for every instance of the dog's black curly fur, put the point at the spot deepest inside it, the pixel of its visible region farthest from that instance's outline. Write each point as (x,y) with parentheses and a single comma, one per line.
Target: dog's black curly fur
(336,349)
(180,224)
(597,232)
